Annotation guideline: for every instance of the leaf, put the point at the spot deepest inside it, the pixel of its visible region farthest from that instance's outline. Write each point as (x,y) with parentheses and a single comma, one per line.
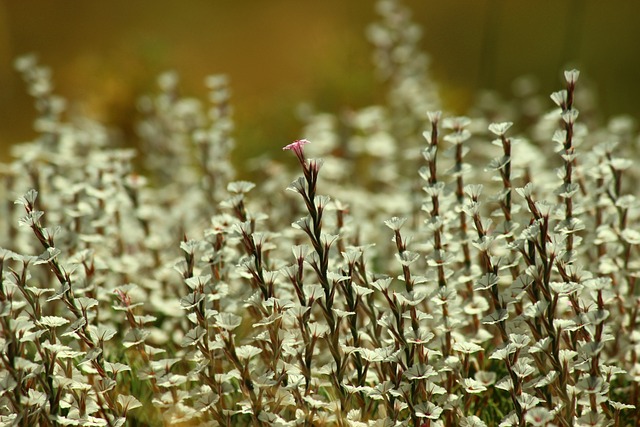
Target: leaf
(53,321)
(91,355)
(472,386)
(116,367)
(128,402)
(536,310)
(487,281)
(564,324)
(407,258)
(205,401)
(546,380)
(35,398)
(500,129)
(336,277)
(135,337)
(37,292)
(472,421)
(28,199)
(621,406)
(631,236)
(189,246)
(503,352)
(62,351)
(145,319)
(565,288)
(592,419)
(538,416)
(540,346)
(86,303)
(382,284)
(103,333)
(505,384)
(467,347)
(314,292)
(246,352)
(371,355)
(240,187)
(361,290)
(422,336)
(522,368)
(191,300)
(105,384)
(315,403)
(228,321)
(193,336)
(395,223)
(30,219)
(591,349)
(198,281)
(495,317)
(519,340)
(55,348)
(420,372)
(297,186)
(75,326)
(498,163)
(60,292)
(48,255)
(428,410)
(342,313)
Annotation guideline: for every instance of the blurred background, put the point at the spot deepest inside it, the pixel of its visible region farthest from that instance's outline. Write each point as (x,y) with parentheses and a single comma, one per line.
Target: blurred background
(279,53)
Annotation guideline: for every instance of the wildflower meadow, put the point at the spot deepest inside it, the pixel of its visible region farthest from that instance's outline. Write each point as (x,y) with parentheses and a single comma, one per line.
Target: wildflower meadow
(395,266)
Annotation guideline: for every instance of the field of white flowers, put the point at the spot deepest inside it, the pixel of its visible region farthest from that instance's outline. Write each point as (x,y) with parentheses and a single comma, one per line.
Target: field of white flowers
(396,266)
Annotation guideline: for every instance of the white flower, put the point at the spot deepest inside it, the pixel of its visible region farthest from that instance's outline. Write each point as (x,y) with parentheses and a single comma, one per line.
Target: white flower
(560,98)
(571,76)
(395,223)
(434,116)
(500,128)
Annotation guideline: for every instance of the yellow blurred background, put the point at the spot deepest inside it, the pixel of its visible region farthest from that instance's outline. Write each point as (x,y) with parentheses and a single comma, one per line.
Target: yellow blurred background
(278,53)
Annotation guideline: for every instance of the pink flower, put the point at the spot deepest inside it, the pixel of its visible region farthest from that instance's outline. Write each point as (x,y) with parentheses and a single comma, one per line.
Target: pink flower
(296,146)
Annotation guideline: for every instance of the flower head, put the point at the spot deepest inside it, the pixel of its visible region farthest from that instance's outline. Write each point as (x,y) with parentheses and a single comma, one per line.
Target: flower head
(500,128)
(296,147)
(571,76)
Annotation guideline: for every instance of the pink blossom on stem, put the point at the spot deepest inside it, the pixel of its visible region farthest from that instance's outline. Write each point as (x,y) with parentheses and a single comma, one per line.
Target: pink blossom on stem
(123,297)
(296,146)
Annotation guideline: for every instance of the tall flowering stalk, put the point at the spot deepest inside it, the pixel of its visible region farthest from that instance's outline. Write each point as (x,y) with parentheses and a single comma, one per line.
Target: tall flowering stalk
(512,344)
(306,186)
(446,296)
(459,135)
(564,99)
(434,190)
(503,166)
